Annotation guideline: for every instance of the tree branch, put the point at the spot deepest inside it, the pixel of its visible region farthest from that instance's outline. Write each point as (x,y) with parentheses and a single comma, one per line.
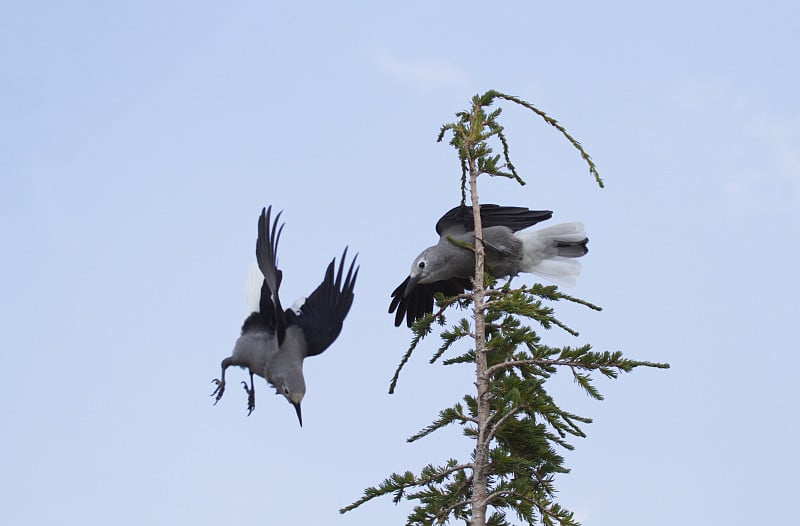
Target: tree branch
(444,474)
(493,428)
(543,511)
(481,453)
(568,363)
(442,515)
(555,124)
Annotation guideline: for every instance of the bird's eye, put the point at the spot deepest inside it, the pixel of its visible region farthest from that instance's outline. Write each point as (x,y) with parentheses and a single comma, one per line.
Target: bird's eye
(421,264)
(286,391)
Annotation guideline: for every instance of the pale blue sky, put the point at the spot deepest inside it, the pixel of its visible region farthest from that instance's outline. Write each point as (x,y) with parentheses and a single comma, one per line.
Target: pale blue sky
(139,141)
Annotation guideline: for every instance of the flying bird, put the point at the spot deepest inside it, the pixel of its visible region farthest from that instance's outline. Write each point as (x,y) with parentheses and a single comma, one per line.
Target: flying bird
(273,341)
(448,266)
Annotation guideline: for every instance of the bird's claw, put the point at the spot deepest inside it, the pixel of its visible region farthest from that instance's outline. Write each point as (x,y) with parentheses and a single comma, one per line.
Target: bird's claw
(251,398)
(219,390)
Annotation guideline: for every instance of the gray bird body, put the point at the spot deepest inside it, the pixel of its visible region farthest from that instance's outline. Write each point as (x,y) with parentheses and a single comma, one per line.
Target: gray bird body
(449,257)
(253,350)
(284,369)
(280,365)
(273,342)
(447,267)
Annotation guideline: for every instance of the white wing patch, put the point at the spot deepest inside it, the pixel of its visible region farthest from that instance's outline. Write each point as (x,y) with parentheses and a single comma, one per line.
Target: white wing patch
(252,290)
(298,304)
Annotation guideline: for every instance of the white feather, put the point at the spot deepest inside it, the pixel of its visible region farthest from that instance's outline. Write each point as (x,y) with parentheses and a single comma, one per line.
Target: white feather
(298,304)
(539,256)
(560,270)
(252,290)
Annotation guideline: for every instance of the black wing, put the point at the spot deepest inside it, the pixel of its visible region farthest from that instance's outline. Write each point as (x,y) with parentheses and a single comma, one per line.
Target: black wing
(459,220)
(323,312)
(420,301)
(266,255)
(266,318)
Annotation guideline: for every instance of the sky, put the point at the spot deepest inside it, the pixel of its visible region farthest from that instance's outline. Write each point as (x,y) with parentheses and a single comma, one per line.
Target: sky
(140,140)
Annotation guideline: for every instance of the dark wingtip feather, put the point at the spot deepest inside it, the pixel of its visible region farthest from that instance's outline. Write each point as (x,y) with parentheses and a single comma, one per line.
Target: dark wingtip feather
(514,217)
(266,256)
(397,304)
(420,300)
(325,309)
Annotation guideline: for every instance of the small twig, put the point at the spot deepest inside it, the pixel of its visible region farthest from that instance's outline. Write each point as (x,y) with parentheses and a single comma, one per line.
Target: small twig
(555,124)
(442,515)
(538,361)
(442,475)
(495,427)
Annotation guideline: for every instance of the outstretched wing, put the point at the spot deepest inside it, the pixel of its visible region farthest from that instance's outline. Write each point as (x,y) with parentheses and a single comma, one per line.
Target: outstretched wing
(266,256)
(459,220)
(419,302)
(322,314)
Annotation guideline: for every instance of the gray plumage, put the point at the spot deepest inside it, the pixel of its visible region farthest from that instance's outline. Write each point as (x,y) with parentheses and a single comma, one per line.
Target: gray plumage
(448,266)
(274,342)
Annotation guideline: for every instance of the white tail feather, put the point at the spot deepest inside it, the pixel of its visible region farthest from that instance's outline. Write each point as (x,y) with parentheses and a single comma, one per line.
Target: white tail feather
(252,291)
(540,256)
(561,271)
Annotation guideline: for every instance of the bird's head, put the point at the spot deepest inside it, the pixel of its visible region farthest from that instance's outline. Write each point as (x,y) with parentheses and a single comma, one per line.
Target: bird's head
(293,387)
(427,268)
(294,395)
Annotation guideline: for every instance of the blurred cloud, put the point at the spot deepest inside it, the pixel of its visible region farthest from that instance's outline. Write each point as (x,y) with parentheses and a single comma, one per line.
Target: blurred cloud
(782,135)
(767,168)
(421,72)
(790,167)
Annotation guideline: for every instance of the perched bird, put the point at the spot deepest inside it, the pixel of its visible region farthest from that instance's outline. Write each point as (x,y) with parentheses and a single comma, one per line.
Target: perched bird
(448,266)
(274,342)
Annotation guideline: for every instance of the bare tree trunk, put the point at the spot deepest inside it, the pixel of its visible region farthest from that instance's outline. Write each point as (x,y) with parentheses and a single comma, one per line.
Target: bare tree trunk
(479,472)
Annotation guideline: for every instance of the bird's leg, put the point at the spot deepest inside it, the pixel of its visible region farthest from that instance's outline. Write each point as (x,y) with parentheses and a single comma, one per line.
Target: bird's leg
(251,395)
(221,382)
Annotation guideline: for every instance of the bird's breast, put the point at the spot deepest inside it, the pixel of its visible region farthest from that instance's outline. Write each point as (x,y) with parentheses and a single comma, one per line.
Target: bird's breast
(252,350)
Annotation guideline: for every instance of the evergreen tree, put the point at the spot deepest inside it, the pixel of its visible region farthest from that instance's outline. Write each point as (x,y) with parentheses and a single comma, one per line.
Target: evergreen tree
(516,426)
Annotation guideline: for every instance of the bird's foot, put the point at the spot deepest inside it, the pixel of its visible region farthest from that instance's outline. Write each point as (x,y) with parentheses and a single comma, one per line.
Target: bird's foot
(251,398)
(219,390)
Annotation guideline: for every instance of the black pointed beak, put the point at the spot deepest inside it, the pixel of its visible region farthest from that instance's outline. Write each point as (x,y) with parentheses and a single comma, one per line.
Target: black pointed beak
(412,282)
(299,414)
